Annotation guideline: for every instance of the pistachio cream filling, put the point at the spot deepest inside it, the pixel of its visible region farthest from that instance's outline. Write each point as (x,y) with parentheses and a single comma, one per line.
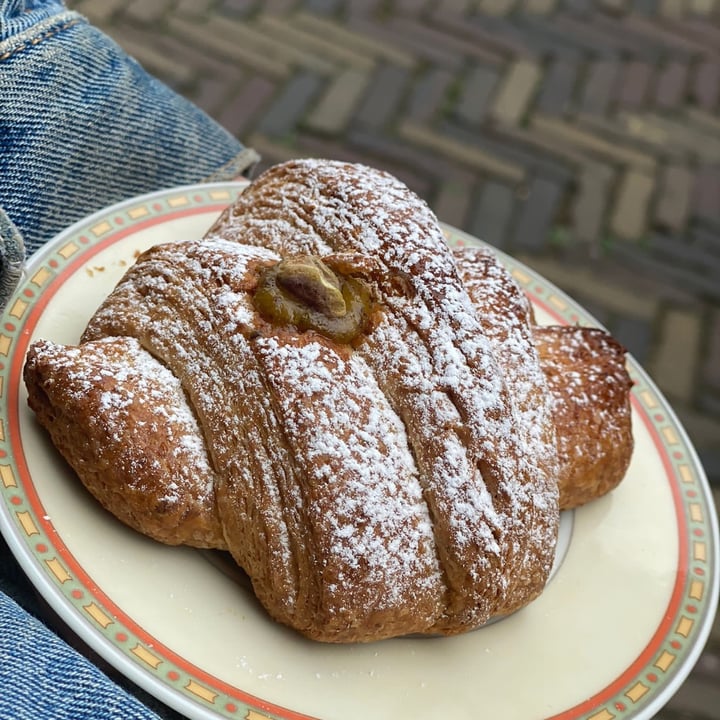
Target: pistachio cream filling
(303,292)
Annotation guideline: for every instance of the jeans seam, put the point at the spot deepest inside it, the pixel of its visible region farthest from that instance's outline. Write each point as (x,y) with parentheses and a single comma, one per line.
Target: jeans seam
(40,38)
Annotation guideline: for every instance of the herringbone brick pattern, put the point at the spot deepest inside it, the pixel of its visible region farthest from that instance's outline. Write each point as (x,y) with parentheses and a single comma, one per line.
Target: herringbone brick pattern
(581,136)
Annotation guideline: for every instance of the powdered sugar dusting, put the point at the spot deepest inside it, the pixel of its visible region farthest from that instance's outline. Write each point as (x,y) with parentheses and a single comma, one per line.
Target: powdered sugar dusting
(362,488)
(500,300)
(480,477)
(128,382)
(405,475)
(589,386)
(188,304)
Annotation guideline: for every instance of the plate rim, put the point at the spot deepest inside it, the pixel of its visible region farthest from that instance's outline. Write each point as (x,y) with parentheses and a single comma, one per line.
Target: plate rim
(638,373)
(179,701)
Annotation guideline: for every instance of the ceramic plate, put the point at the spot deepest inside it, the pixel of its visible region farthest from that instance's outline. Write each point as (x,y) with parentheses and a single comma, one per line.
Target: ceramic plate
(616,631)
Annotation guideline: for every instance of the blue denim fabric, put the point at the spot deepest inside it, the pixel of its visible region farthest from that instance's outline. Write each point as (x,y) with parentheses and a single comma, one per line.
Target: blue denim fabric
(12,256)
(42,677)
(82,125)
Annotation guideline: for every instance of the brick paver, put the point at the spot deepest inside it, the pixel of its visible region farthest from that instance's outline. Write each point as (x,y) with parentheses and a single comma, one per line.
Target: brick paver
(592,199)
(559,86)
(337,105)
(593,123)
(600,79)
(629,218)
(461,153)
(477,90)
(245,107)
(706,85)
(582,136)
(673,202)
(290,104)
(594,144)
(675,362)
(494,213)
(516,92)
(671,85)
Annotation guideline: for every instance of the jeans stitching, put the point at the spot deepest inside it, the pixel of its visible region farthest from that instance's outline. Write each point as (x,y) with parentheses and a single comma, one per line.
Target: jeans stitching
(40,38)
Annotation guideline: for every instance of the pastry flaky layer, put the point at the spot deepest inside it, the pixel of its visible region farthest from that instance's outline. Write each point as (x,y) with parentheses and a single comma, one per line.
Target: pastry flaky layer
(407,479)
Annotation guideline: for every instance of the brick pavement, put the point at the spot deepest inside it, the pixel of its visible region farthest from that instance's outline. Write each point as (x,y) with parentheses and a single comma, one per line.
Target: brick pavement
(582,136)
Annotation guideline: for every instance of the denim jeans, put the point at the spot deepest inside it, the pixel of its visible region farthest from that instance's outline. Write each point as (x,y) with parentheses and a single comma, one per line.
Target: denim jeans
(82,126)
(43,677)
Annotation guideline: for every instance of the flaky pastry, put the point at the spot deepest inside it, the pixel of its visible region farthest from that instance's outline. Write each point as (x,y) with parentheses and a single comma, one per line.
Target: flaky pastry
(371,423)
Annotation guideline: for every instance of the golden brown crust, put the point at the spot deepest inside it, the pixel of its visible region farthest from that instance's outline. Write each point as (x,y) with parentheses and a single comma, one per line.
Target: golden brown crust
(121,421)
(434,362)
(586,375)
(295,521)
(406,483)
(495,295)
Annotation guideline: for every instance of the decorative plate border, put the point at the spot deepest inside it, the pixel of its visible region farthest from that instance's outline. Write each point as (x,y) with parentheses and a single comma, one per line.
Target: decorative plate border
(637,693)
(649,682)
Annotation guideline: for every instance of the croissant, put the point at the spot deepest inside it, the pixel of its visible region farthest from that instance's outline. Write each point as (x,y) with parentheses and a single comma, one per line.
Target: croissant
(585,374)
(373,425)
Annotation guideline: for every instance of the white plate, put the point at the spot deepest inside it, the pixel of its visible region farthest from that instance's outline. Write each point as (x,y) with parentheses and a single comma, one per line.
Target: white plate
(614,634)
